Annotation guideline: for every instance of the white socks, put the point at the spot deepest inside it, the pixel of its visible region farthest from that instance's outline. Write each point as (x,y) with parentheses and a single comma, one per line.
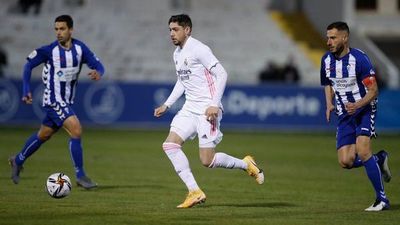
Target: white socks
(226,161)
(181,164)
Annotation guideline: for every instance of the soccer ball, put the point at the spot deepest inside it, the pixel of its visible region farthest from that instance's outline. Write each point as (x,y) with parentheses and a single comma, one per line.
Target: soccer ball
(58,185)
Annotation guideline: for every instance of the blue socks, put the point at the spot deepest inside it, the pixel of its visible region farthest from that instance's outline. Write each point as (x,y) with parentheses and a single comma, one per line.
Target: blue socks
(357,162)
(75,148)
(31,145)
(374,175)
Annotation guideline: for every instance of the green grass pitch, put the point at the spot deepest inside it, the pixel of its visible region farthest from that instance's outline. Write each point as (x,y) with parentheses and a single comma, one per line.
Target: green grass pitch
(137,184)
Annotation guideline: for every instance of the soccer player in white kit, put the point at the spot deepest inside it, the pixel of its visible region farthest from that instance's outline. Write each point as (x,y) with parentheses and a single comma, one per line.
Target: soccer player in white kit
(202,79)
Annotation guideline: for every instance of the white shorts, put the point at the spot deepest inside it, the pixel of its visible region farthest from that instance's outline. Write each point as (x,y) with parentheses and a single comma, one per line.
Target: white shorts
(187,125)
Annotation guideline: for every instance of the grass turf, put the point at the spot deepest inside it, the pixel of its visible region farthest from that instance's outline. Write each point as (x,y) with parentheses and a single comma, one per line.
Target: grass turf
(137,184)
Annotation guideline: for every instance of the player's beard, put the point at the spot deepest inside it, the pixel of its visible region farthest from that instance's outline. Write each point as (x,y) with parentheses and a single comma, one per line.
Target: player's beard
(63,41)
(339,50)
(176,42)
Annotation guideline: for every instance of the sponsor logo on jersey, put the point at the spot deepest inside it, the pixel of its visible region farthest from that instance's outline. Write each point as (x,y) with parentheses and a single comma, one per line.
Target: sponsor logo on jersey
(349,66)
(32,55)
(344,84)
(184,72)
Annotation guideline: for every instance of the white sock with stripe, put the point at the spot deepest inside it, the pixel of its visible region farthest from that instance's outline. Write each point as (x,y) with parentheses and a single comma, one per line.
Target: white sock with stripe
(181,164)
(223,160)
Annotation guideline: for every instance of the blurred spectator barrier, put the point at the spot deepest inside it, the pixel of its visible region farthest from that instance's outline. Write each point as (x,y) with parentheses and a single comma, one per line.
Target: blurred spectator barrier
(131,105)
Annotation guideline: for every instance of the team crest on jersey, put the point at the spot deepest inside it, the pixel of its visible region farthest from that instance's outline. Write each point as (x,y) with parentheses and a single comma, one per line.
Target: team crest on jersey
(60,73)
(372,72)
(349,66)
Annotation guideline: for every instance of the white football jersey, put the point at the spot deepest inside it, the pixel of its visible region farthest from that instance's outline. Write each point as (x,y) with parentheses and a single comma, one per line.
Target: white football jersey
(193,63)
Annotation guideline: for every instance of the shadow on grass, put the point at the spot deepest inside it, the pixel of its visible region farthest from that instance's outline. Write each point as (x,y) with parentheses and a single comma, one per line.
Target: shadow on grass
(394,207)
(133,186)
(257,205)
(22,181)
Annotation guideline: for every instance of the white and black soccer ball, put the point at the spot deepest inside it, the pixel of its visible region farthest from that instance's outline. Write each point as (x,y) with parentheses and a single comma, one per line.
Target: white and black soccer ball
(58,185)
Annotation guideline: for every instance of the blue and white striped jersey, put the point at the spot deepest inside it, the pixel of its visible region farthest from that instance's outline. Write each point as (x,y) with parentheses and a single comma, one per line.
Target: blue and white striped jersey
(345,75)
(61,70)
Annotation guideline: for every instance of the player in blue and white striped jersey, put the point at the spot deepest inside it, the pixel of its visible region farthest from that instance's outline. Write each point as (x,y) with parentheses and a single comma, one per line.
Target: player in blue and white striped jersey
(63,61)
(348,76)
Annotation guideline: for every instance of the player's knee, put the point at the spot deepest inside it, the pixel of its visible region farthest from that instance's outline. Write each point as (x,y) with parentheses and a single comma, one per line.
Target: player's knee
(44,137)
(346,163)
(73,127)
(206,161)
(170,146)
(45,134)
(76,134)
(346,166)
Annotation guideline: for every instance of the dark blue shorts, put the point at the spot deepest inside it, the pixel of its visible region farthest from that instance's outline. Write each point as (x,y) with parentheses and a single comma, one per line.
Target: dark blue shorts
(56,115)
(350,127)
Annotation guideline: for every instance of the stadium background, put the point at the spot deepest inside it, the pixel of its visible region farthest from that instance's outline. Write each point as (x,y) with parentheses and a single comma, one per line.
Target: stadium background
(131,38)
(281,121)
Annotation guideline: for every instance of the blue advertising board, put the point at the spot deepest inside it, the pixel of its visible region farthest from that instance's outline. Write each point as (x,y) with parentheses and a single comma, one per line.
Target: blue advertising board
(120,104)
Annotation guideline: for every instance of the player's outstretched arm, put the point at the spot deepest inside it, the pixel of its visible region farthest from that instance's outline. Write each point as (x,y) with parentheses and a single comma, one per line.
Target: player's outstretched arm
(175,94)
(158,112)
(26,88)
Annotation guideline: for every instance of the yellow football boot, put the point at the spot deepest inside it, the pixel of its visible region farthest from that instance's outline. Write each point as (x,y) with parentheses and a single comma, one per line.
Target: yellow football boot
(193,198)
(253,170)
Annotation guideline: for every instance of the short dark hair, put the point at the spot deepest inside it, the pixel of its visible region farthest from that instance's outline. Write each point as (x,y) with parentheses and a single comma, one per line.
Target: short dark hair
(339,25)
(67,19)
(183,20)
